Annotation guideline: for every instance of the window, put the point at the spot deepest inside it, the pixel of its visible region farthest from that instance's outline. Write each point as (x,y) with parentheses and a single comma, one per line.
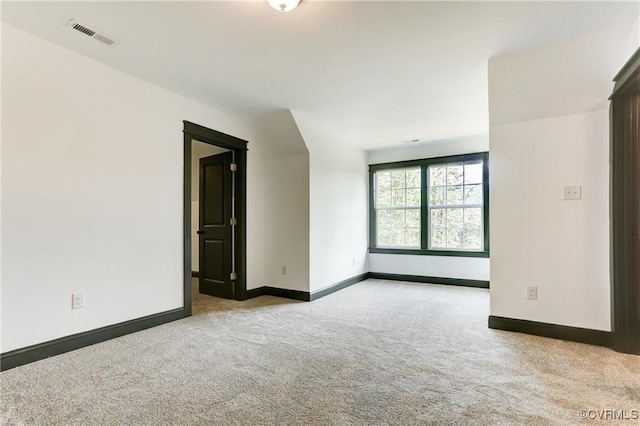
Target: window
(455,206)
(397,198)
(433,206)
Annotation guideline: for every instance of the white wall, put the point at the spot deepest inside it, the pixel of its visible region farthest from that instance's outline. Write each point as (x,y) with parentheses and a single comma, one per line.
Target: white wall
(338,200)
(634,37)
(430,266)
(556,134)
(279,134)
(537,239)
(284,191)
(567,77)
(462,145)
(286,216)
(469,268)
(92,192)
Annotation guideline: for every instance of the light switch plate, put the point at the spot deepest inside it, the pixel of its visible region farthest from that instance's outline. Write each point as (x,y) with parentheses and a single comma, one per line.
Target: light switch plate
(572,193)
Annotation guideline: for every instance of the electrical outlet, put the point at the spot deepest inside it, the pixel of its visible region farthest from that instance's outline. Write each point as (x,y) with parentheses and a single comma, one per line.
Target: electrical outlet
(353,261)
(77,300)
(572,193)
(284,270)
(532,293)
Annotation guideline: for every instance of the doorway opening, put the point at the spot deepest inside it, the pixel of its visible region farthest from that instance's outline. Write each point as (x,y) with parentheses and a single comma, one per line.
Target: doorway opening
(214,234)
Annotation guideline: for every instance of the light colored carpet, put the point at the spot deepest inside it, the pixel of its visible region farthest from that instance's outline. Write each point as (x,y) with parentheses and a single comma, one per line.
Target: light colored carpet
(375,353)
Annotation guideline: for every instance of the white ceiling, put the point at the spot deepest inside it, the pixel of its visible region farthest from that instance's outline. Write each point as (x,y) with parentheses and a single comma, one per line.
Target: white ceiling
(366,73)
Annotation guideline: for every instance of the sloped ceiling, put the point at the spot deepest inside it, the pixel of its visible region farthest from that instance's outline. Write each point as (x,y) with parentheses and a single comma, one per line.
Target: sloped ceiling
(569,77)
(279,134)
(365,73)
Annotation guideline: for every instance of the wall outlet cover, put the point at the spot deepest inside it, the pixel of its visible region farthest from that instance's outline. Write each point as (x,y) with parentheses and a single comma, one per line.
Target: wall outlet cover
(77,300)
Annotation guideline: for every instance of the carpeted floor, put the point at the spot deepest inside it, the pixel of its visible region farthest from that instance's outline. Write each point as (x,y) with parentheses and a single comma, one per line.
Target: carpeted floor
(375,353)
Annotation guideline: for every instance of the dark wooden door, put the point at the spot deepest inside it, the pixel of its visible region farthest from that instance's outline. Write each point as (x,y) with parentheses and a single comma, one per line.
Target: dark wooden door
(216,230)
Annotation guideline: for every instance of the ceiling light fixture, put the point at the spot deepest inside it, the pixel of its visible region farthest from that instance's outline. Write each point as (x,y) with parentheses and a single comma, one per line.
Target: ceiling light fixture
(283,5)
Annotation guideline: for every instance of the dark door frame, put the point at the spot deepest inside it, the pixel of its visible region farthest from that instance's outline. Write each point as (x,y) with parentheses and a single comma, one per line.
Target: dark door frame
(199,133)
(625,208)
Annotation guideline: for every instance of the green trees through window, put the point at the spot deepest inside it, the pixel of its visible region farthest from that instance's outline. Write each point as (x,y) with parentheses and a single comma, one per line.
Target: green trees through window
(431,206)
(398,201)
(455,206)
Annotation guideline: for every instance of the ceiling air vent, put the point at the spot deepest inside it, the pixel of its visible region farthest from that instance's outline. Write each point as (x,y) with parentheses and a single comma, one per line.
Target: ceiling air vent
(94,34)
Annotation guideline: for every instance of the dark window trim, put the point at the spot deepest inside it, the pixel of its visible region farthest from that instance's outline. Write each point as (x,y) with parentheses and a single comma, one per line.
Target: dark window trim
(429,161)
(425,252)
(424,213)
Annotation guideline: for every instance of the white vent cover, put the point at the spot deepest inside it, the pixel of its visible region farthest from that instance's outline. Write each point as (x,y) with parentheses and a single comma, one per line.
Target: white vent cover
(91,32)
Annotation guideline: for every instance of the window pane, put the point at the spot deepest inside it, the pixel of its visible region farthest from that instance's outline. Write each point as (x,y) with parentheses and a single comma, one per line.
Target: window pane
(413,218)
(455,218)
(397,219)
(454,195)
(398,198)
(438,218)
(473,194)
(472,239)
(384,237)
(473,173)
(413,197)
(388,237)
(398,228)
(413,237)
(454,237)
(397,237)
(437,196)
(383,180)
(383,198)
(384,219)
(413,178)
(454,175)
(437,176)
(473,218)
(397,179)
(438,238)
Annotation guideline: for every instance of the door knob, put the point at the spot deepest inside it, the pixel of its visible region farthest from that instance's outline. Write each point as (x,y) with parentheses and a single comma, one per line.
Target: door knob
(200,232)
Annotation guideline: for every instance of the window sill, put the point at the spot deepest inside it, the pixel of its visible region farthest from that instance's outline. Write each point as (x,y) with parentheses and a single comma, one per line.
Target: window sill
(418,252)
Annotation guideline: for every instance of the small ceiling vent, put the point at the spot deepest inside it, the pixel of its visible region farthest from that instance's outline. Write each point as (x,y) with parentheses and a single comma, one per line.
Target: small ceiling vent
(94,34)
(411,141)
